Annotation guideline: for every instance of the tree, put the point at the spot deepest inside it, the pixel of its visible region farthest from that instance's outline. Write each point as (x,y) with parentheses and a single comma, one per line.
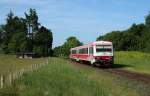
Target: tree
(114,37)
(43,42)
(14,25)
(32,20)
(14,36)
(58,51)
(32,25)
(64,50)
(146,39)
(1,37)
(130,39)
(70,43)
(1,34)
(147,22)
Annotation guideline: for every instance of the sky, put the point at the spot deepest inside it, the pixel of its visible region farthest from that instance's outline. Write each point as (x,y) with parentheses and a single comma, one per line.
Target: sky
(84,19)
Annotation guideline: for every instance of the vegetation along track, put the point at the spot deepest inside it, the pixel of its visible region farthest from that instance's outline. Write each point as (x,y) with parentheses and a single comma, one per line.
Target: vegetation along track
(140,77)
(145,78)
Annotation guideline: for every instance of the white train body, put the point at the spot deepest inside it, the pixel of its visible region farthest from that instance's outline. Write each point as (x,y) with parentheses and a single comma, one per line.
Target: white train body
(99,52)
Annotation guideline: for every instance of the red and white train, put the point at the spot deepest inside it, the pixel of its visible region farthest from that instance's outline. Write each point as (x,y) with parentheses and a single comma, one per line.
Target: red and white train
(99,52)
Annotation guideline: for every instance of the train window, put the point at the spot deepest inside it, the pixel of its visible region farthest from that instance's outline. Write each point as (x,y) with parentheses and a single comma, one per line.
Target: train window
(91,50)
(83,51)
(106,48)
(74,52)
(80,51)
(103,49)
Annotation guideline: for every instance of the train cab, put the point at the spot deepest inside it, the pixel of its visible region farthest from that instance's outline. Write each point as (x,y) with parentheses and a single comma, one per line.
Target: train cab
(102,53)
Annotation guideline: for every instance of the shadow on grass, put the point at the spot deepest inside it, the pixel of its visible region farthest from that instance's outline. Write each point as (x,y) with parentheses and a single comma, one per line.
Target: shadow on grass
(114,66)
(118,66)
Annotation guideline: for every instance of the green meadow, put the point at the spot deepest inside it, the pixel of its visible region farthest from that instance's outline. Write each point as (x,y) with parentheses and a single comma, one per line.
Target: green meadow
(11,63)
(62,78)
(133,61)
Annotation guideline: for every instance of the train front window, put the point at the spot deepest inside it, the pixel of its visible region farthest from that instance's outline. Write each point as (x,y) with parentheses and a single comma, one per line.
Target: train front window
(106,48)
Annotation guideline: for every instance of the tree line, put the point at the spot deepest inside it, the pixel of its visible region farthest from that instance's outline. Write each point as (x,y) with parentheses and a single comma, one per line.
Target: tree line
(28,35)
(25,35)
(135,38)
(64,50)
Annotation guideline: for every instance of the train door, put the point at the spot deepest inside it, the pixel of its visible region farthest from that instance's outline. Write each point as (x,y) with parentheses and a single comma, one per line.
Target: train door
(91,53)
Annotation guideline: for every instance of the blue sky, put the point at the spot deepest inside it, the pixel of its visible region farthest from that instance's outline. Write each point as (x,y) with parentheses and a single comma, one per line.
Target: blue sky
(85,19)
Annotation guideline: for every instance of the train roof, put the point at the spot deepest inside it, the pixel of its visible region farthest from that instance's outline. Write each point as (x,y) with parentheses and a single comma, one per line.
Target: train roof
(94,43)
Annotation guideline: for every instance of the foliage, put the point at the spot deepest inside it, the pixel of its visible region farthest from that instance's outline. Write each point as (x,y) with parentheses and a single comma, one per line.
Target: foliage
(43,42)
(32,20)
(136,38)
(1,34)
(14,26)
(64,50)
(20,35)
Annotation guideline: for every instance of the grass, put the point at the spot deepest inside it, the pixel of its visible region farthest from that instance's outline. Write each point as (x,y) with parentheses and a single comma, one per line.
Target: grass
(11,63)
(133,61)
(61,78)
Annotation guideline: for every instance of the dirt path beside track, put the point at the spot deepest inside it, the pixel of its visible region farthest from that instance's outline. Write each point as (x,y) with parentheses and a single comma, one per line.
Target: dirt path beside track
(140,77)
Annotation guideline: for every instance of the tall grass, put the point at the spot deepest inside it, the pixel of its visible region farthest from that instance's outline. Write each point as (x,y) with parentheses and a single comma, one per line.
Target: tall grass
(11,63)
(12,68)
(61,78)
(134,61)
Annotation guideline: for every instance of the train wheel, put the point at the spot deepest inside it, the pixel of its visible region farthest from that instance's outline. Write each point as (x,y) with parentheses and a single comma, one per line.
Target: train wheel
(93,65)
(81,61)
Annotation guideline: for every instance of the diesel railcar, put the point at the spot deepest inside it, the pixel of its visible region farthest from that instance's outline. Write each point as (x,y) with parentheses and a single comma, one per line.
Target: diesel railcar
(97,53)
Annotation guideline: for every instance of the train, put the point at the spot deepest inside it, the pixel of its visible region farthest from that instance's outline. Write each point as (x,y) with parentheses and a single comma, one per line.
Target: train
(99,53)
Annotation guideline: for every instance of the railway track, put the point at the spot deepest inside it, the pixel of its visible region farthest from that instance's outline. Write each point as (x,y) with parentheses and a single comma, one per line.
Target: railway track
(140,77)
(145,78)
